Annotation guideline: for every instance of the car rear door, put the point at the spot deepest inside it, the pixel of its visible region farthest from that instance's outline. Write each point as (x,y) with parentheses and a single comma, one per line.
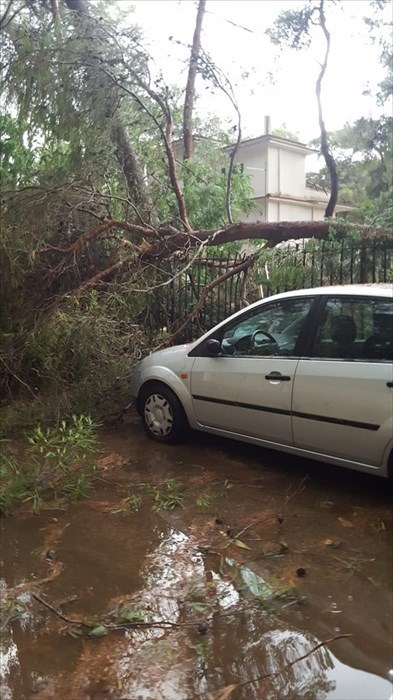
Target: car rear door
(342,398)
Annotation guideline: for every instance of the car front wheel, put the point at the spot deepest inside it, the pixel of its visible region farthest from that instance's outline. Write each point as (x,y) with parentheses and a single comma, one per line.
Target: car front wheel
(162,414)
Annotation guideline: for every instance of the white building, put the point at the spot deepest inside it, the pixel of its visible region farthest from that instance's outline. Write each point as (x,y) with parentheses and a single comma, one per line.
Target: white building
(277,167)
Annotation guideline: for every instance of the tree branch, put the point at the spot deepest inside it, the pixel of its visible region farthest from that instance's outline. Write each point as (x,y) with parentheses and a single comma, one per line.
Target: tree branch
(96,232)
(5,20)
(243,267)
(270,232)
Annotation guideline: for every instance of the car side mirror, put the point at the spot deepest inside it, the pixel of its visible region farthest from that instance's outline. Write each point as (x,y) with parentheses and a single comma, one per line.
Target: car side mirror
(212,347)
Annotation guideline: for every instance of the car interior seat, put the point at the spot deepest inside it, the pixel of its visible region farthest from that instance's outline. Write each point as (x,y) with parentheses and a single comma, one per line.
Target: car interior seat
(380,345)
(343,336)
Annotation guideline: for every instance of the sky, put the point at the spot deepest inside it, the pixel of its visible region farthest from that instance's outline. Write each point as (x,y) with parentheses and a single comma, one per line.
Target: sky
(290,98)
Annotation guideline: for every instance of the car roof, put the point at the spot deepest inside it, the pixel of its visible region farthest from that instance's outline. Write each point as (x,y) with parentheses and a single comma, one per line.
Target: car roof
(375,289)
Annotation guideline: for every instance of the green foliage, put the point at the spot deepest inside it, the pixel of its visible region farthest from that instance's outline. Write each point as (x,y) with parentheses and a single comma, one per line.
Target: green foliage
(167,496)
(128,505)
(16,159)
(342,259)
(10,610)
(79,358)
(205,195)
(127,614)
(380,212)
(292,28)
(98,631)
(363,156)
(57,462)
(204,500)
(379,24)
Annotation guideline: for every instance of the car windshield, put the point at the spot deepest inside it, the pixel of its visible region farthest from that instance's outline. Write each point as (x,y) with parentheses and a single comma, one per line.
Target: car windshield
(271,329)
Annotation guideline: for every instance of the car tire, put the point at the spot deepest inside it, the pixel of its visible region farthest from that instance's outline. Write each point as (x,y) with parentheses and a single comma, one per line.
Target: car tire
(162,414)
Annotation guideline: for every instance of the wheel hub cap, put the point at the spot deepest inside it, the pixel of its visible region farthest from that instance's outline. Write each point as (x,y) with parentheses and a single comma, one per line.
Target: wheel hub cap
(158,415)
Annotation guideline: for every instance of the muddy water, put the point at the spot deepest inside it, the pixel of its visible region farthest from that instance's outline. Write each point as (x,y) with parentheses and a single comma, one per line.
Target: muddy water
(265,559)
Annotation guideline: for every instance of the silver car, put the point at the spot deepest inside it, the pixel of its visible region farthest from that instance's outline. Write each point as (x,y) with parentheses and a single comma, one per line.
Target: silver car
(308,372)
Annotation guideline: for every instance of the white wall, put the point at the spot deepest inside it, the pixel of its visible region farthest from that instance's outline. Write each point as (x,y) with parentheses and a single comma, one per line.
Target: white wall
(279,171)
(287,174)
(254,161)
(293,211)
(271,210)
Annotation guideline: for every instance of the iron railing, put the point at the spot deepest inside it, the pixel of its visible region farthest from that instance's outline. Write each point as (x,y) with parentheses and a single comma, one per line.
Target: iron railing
(313,264)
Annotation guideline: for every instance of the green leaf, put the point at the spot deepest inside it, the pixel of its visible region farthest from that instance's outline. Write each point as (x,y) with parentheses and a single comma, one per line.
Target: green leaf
(256,584)
(98,631)
(199,607)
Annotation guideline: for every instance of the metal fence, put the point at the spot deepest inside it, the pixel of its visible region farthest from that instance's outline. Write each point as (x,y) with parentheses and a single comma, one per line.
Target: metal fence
(171,304)
(326,263)
(287,267)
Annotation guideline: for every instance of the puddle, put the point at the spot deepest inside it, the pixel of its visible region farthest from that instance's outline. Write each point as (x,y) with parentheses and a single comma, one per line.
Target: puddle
(235,594)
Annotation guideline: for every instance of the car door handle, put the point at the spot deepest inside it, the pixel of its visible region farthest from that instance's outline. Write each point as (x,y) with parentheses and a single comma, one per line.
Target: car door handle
(277,377)
(389,384)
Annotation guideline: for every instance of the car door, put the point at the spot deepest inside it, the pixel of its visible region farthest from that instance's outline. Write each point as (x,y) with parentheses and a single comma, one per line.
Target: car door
(342,398)
(247,389)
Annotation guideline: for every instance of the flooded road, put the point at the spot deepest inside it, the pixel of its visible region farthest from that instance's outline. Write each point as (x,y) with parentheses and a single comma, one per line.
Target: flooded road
(206,570)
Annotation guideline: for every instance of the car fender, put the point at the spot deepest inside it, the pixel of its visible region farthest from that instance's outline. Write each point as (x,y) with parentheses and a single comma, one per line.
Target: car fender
(181,387)
(388,455)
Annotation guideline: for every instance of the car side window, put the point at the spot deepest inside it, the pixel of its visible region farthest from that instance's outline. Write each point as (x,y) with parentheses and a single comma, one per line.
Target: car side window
(272,330)
(356,329)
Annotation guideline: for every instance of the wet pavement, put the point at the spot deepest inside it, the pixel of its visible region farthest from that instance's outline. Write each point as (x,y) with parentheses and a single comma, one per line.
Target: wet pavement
(212,570)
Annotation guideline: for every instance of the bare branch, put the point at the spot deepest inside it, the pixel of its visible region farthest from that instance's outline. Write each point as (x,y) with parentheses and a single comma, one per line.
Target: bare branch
(222,82)
(95,232)
(190,87)
(5,20)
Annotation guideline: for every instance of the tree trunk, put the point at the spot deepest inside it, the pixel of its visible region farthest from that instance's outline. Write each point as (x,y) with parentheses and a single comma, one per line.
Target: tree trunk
(272,233)
(329,160)
(190,87)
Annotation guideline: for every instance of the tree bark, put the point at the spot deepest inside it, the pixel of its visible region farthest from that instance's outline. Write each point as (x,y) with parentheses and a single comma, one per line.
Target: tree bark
(273,233)
(190,87)
(329,160)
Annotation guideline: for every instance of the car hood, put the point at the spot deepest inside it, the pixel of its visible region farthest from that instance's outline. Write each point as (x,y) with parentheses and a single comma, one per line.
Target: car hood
(167,357)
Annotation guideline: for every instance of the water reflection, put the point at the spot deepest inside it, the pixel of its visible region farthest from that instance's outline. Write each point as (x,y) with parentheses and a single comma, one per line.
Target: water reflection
(222,634)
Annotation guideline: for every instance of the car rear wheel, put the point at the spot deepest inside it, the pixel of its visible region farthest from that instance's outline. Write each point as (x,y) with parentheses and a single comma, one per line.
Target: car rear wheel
(162,414)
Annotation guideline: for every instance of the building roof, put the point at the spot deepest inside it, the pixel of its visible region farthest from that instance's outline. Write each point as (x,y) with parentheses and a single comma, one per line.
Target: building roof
(288,144)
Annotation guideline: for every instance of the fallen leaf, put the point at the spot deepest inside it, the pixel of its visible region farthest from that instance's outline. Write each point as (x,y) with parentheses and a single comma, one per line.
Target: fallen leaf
(225,693)
(345,523)
(332,543)
(240,544)
(256,584)
(379,526)
(111,461)
(326,504)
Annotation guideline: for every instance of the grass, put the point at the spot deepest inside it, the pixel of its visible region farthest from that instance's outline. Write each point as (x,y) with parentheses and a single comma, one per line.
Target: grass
(56,463)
